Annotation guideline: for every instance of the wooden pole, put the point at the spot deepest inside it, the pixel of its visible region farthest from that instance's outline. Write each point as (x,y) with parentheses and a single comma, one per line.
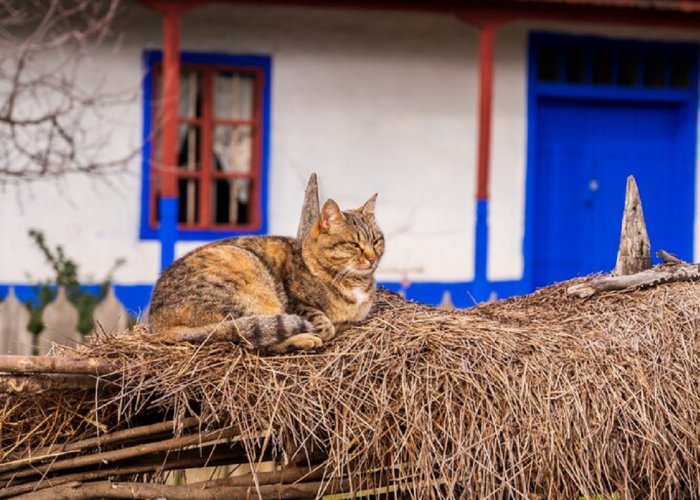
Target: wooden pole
(50,364)
(104,440)
(125,453)
(40,383)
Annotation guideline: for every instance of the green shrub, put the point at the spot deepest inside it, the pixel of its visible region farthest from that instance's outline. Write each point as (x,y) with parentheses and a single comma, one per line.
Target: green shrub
(66,273)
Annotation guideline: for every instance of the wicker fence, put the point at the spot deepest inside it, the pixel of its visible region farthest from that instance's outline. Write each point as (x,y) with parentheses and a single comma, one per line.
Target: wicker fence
(60,320)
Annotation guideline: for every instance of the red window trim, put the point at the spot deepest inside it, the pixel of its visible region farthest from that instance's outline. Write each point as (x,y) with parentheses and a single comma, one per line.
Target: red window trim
(206,174)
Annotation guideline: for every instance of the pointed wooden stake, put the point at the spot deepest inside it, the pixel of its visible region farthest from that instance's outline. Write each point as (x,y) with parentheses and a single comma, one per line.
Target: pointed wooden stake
(310,210)
(446,302)
(634,255)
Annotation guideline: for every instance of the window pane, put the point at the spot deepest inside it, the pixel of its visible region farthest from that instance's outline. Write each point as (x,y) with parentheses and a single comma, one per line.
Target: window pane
(548,64)
(188,149)
(680,71)
(602,67)
(188,201)
(653,69)
(628,69)
(575,66)
(230,201)
(233,148)
(190,94)
(234,96)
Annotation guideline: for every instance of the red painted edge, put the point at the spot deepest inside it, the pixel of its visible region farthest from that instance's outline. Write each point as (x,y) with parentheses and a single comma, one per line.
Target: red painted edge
(487,36)
(170,99)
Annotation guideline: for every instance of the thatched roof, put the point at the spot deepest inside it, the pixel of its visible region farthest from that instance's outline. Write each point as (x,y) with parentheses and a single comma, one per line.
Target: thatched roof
(544,395)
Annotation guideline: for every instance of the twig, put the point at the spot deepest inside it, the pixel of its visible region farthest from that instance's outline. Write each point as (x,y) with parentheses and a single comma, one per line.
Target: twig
(108,489)
(189,459)
(96,442)
(644,279)
(122,454)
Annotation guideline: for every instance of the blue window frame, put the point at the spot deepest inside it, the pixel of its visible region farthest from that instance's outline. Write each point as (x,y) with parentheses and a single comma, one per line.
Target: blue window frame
(224,105)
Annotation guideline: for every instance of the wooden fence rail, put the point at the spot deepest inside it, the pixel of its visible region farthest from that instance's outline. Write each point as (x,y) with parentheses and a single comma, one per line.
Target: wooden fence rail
(60,319)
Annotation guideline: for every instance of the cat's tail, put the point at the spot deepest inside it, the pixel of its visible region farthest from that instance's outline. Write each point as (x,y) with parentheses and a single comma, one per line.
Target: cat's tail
(277,333)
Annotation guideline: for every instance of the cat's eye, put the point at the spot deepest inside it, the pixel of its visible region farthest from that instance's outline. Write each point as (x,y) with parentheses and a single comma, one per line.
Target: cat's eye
(354,245)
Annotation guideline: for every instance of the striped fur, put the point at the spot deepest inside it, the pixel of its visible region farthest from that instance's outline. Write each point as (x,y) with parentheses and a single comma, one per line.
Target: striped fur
(275,293)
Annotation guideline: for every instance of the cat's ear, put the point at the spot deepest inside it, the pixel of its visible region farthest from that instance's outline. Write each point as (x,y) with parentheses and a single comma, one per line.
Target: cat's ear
(368,208)
(330,215)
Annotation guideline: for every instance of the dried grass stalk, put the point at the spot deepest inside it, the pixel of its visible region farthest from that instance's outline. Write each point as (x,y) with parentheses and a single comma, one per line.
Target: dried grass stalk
(545,395)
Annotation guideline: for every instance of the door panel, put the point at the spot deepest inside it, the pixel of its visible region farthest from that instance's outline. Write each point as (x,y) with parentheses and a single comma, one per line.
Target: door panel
(585,152)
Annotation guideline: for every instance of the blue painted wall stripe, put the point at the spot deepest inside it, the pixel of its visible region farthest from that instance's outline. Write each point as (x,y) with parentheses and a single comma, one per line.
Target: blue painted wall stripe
(167,231)
(135,298)
(481,287)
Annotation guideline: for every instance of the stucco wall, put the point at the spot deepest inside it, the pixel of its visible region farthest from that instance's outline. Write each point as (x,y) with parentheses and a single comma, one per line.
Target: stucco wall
(372,101)
(509,136)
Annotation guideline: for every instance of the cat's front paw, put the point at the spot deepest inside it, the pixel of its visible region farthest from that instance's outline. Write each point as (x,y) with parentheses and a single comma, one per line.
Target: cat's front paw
(305,341)
(299,342)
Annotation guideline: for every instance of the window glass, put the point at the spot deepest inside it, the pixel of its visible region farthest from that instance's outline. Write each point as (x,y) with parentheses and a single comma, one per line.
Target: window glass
(575,66)
(233,148)
(548,64)
(654,69)
(190,105)
(628,69)
(188,137)
(188,201)
(231,201)
(680,71)
(602,71)
(233,96)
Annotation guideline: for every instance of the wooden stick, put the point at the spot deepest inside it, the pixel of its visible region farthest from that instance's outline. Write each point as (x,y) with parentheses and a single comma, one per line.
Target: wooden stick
(41,383)
(51,364)
(310,210)
(669,258)
(124,453)
(108,489)
(634,254)
(189,459)
(104,440)
(290,475)
(644,279)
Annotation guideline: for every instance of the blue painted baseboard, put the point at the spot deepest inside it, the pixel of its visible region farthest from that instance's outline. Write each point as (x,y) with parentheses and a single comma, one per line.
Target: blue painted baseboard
(136,297)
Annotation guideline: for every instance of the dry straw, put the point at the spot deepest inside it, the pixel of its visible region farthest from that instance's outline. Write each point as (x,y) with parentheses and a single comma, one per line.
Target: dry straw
(544,395)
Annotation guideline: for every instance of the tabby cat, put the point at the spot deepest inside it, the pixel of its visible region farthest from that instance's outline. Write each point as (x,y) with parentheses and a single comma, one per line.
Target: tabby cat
(276,294)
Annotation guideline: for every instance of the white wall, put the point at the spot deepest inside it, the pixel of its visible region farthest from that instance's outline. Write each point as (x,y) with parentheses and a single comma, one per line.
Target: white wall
(372,101)
(509,135)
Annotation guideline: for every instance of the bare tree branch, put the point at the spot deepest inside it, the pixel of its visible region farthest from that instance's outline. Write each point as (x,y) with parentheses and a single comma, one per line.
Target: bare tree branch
(48,114)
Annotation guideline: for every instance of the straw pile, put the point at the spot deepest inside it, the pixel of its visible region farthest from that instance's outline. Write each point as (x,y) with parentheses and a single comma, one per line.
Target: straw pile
(543,396)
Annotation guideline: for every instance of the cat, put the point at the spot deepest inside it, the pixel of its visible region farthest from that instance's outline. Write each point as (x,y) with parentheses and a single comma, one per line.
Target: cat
(274,293)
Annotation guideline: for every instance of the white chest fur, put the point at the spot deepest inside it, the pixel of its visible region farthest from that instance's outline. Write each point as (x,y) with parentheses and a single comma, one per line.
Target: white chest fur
(361,296)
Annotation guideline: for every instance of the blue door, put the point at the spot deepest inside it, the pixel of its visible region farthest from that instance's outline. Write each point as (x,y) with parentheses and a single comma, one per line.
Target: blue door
(588,140)
(585,152)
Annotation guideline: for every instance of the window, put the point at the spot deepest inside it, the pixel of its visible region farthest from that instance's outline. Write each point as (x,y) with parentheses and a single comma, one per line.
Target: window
(221,145)
(614,64)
